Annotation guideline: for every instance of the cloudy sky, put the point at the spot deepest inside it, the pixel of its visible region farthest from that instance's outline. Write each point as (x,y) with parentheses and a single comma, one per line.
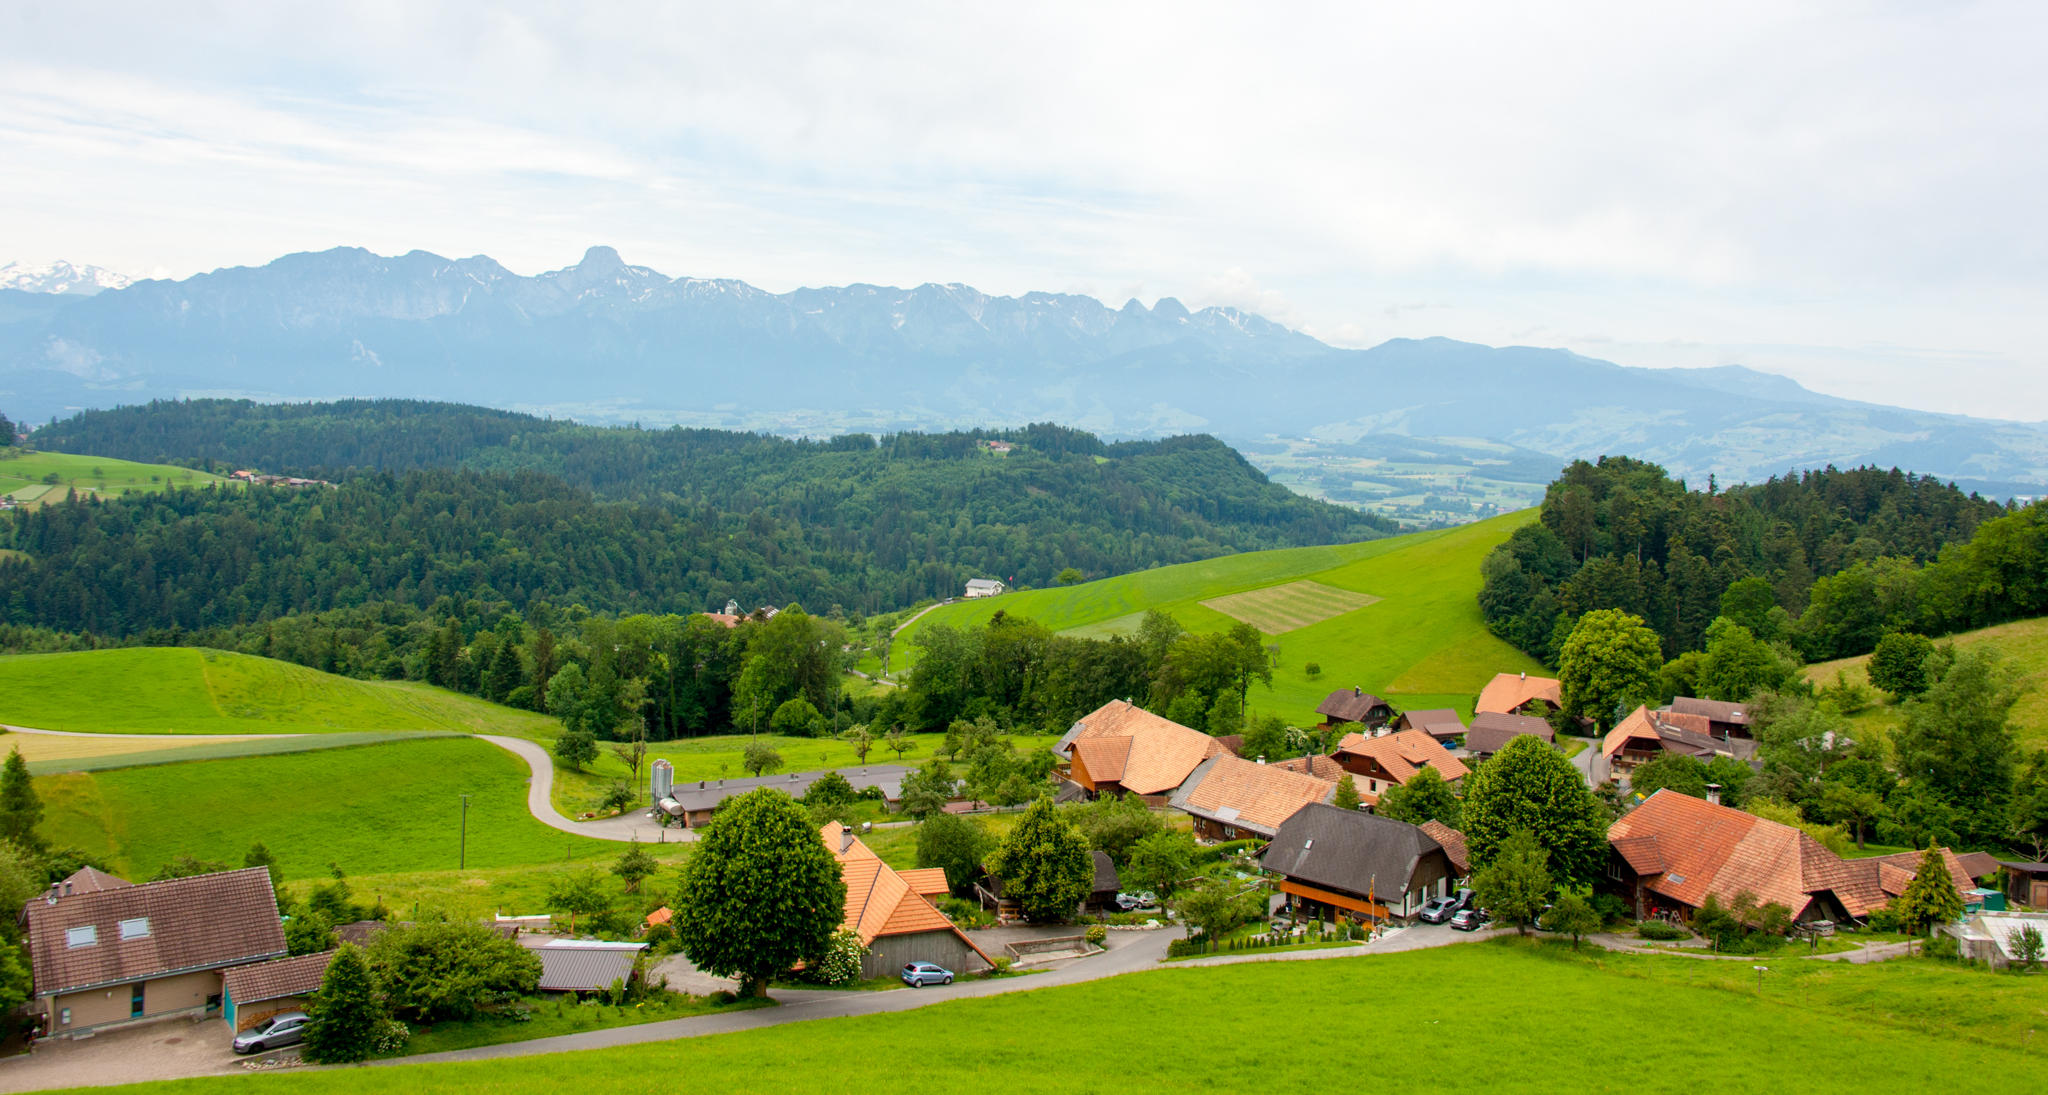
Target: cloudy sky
(1847,193)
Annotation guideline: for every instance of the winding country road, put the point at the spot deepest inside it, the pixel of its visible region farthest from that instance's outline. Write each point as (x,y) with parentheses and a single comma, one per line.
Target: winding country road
(635,825)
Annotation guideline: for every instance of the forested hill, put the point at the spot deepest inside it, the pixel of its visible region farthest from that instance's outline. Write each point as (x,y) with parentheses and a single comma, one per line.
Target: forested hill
(494,506)
(1622,534)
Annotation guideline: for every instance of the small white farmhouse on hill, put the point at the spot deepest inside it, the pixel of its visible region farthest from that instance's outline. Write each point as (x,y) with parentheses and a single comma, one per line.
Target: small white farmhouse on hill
(983,587)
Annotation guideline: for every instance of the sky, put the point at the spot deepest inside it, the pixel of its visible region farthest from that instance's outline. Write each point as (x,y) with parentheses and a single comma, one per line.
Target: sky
(1850,194)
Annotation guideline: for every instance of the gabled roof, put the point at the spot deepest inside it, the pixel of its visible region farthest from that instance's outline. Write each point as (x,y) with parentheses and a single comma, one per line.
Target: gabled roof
(1258,797)
(1492,731)
(927,881)
(1706,849)
(92,880)
(1437,722)
(1103,758)
(280,977)
(198,923)
(1404,753)
(1349,705)
(1160,752)
(1715,710)
(880,900)
(1895,870)
(1315,764)
(1453,843)
(585,965)
(1978,864)
(1670,732)
(1508,691)
(1349,850)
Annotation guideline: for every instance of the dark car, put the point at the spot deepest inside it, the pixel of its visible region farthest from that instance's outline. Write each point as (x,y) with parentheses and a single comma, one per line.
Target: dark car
(1469,920)
(919,974)
(283,1029)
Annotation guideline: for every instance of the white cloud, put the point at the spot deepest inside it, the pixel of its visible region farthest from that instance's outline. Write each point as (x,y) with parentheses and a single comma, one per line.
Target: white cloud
(1726,179)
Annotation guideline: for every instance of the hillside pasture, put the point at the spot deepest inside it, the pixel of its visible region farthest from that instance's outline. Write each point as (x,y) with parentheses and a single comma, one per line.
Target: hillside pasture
(1418,640)
(369,809)
(1279,609)
(187,690)
(2022,644)
(26,475)
(1523,1008)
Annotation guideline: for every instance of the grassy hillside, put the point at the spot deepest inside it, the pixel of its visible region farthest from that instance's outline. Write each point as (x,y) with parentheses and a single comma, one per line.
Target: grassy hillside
(48,754)
(38,478)
(2024,645)
(1525,1017)
(370,809)
(183,690)
(1420,643)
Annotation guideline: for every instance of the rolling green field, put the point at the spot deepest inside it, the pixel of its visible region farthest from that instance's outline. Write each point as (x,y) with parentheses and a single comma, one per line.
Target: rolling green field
(75,754)
(2024,645)
(371,809)
(26,477)
(185,690)
(1420,642)
(1518,1016)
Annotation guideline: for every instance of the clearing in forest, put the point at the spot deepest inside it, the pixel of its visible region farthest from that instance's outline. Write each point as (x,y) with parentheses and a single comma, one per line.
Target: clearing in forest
(1278,609)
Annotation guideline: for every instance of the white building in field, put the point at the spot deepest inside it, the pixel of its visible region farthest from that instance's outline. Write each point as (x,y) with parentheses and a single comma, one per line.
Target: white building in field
(983,587)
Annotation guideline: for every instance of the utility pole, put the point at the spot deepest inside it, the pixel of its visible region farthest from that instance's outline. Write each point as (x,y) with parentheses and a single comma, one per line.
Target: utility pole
(462,863)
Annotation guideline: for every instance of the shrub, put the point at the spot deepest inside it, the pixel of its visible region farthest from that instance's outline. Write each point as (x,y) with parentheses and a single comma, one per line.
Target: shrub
(841,964)
(1661,930)
(1096,934)
(1004,962)
(390,1038)
(1885,919)
(1612,909)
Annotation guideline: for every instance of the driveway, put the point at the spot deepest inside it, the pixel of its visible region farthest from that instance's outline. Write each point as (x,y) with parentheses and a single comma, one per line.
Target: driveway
(634,825)
(159,1051)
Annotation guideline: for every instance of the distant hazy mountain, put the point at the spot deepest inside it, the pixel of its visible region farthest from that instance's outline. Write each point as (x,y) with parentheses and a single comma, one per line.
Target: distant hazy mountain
(603,340)
(60,277)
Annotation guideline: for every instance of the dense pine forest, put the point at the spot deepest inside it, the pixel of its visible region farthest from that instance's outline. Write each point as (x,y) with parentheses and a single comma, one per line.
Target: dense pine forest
(1827,560)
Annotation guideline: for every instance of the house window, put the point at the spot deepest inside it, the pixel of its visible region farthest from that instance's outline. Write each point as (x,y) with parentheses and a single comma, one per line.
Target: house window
(63,1017)
(1230,832)
(135,1002)
(83,936)
(1614,870)
(138,928)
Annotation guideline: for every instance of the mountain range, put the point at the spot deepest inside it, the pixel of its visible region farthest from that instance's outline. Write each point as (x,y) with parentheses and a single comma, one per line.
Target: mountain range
(605,340)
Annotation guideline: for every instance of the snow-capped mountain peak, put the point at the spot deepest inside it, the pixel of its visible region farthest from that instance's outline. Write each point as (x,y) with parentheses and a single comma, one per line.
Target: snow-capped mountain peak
(60,277)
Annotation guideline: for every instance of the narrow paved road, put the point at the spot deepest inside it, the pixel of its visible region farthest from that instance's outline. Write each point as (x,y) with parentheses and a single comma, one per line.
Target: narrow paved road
(634,825)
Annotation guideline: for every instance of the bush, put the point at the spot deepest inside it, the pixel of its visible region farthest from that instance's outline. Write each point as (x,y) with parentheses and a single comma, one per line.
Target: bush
(1004,962)
(390,1038)
(1096,934)
(1885,919)
(1662,930)
(841,964)
(1612,909)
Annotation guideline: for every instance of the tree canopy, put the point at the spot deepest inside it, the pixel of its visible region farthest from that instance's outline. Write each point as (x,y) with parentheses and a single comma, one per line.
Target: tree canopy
(1530,787)
(761,892)
(1044,864)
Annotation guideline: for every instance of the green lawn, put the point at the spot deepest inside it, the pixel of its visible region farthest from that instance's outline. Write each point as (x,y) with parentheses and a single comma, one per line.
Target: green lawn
(2024,645)
(1523,1016)
(171,749)
(371,809)
(1422,644)
(186,690)
(549,1016)
(26,477)
(479,893)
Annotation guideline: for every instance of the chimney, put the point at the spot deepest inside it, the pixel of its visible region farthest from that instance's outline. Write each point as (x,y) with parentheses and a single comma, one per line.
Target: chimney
(1262,758)
(53,893)
(1714,793)
(1356,691)
(845,839)
(67,887)
(1525,674)
(700,785)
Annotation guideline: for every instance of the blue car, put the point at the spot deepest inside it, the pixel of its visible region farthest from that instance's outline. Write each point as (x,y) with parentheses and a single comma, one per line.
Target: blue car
(919,974)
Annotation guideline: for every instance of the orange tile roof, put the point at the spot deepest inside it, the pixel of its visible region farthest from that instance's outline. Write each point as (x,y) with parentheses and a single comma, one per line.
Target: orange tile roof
(1161,752)
(660,916)
(1315,764)
(1898,868)
(1404,753)
(1452,842)
(201,922)
(927,880)
(1690,734)
(1708,849)
(1102,760)
(1508,691)
(1637,726)
(880,900)
(1242,792)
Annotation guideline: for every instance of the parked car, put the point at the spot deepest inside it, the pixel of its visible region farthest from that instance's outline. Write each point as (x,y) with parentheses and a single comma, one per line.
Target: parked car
(919,974)
(1132,902)
(1438,910)
(1461,900)
(283,1029)
(1469,920)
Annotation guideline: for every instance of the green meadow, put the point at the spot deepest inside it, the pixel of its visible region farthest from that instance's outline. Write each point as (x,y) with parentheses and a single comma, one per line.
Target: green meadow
(1421,643)
(369,809)
(1510,1015)
(2024,646)
(187,690)
(28,477)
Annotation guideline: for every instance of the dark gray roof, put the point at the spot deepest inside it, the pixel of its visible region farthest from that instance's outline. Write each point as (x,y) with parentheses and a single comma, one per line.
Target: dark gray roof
(585,965)
(1349,705)
(706,794)
(1105,873)
(1349,850)
(1714,710)
(1492,731)
(1438,722)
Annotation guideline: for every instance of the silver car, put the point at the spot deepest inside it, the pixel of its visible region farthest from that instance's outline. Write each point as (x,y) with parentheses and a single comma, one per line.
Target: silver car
(283,1029)
(919,974)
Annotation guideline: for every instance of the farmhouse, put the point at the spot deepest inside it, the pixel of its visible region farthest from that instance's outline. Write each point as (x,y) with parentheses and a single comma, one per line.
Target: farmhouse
(1520,694)
(1724,720)
(1453,843)
(1646,734)
(1352,705)
(695,801)
(1231,798)
(1492,731)
(892,912)
(983,587)
(1672,851)
(1343,863)
(1315,764)
(1390,759)
(259,990)
(1441,723)
(1121,749)
(106,952)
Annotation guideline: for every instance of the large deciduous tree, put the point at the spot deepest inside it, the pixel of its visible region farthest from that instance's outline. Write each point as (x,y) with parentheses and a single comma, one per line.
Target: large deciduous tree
(1516,883)
(1899,664)
(1609,664)
(448,970)
(1529,786)
(760,894)
(1044,864)
(954,844)
(1423,798)
(1957,743)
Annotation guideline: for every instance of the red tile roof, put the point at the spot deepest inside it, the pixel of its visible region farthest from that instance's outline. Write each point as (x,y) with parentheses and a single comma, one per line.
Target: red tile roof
(1404,753)
(1707,849)
(1236,791)
(1507,692)
(203,922)
(879,900)
(1349,705)
(1159,753)
(1315,764)
(1453,843)
(277,978)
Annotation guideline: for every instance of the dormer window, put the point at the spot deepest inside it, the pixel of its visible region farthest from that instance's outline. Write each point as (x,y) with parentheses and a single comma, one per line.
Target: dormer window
(137,928)
(84,936)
